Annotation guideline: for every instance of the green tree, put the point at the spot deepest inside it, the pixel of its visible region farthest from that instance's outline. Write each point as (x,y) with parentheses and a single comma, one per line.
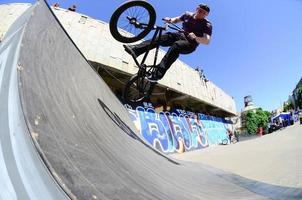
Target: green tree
(251,122)
(288,106)
(257,119)
(262,118)
(299,97)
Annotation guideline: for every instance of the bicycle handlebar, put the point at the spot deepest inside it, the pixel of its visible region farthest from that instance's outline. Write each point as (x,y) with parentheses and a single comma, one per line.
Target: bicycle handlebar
(172,26)
(167,25)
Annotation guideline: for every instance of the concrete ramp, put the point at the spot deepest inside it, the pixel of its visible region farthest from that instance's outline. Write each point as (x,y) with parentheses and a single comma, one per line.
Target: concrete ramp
(83,138)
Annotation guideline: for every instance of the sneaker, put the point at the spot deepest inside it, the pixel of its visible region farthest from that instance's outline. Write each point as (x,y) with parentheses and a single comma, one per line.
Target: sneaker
(129,50)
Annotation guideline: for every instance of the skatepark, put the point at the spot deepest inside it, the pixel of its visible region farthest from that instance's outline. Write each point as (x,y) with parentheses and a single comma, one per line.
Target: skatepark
(65,135)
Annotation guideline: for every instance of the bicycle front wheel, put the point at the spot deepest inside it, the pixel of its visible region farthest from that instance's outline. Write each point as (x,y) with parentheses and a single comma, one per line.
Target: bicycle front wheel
(132,21)
(137,89)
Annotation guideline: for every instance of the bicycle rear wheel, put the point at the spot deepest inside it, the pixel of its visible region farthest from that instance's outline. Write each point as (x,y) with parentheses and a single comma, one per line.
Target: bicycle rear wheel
(137,89)
(132,21)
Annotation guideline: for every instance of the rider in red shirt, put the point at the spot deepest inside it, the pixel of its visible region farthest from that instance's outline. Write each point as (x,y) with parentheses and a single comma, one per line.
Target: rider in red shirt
(197,30)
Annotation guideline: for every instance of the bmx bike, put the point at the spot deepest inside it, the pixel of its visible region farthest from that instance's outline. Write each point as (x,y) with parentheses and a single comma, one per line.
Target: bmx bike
(130,22)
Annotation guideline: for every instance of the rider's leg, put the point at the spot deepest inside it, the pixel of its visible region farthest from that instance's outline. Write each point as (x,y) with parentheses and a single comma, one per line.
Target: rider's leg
(129,50)
(179,47)
(166,39)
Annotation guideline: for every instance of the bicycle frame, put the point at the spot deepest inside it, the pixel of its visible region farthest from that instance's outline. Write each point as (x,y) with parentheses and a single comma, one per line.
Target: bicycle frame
(157,33)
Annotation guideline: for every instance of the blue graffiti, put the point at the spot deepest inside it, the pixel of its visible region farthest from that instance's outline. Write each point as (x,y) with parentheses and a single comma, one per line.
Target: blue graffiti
(178,131)
(152,128)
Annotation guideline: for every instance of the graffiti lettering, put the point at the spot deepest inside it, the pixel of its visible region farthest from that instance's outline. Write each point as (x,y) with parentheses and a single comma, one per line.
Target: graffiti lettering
(172,132)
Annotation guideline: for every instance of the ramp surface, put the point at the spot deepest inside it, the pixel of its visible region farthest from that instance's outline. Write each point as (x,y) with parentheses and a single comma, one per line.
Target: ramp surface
(87,140)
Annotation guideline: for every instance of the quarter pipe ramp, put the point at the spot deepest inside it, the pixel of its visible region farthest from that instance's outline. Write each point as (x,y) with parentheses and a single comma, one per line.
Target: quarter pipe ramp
(79,142)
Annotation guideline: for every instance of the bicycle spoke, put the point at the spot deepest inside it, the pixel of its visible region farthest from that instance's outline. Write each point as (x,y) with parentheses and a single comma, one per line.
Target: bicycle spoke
(137,12)
(135,92)
(145,85)
(148,84)
(141,86)
(143,16)
(132,21)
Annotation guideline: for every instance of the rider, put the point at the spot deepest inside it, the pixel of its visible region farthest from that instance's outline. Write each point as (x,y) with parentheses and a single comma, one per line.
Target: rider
(196,30)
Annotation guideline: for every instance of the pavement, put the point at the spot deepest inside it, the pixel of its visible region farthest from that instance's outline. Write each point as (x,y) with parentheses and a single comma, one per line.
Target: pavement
(275,158)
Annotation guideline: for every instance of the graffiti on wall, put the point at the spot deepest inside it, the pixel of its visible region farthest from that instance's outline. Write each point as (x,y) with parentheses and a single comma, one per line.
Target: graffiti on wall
(178,131)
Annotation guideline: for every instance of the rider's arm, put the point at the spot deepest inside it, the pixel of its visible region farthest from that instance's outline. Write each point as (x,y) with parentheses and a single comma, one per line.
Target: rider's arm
(175,19)
(206,37)
(179,18)
(203,40)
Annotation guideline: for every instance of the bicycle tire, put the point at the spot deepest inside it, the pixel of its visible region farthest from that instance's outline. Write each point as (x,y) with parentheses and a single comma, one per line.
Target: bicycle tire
(135,85)
(131,7)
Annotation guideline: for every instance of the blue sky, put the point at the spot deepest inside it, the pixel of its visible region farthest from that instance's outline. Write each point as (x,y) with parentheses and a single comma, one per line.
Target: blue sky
(255,49)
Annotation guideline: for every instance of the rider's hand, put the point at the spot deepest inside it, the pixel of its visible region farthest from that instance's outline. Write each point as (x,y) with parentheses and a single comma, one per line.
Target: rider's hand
(167,19)
(192,36)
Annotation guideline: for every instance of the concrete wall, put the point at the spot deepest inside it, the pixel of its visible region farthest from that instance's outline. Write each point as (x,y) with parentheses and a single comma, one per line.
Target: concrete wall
(95,41)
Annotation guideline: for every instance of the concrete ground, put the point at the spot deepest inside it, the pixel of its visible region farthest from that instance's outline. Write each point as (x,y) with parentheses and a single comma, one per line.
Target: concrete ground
(275,158)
